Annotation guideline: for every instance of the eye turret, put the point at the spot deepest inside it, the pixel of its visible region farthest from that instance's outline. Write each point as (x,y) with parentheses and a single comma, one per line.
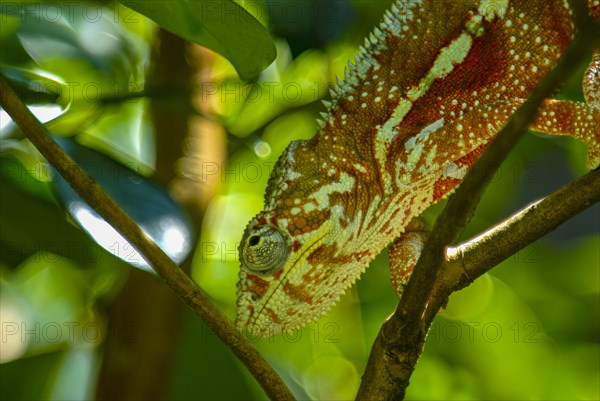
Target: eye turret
(263,249)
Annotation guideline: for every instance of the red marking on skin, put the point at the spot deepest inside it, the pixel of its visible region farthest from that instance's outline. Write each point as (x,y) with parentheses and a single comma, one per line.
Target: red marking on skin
(259,286)
(471,157)
(446,184)
(296,246)
(262,220)
(274,221)
(273,315)
(362,254)
(323,253)
(327,254)
(297,292)
(443,186)
(277,274)
(386,225)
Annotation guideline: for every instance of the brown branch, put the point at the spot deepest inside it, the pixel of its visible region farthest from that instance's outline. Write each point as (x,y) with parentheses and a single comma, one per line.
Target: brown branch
(86,187)
(473,258)
(401,339)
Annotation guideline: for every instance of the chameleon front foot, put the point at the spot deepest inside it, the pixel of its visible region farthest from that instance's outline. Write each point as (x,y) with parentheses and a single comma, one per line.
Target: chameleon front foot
(405,251)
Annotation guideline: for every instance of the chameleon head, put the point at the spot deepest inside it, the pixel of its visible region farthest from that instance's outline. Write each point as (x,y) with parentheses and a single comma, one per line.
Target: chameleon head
(268,300)
(291,268)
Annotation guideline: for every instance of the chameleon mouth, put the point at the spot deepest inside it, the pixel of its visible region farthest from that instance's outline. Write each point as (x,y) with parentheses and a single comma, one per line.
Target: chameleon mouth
(275,324)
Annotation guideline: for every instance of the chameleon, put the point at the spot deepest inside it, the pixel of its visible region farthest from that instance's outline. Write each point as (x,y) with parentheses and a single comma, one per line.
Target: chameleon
(431,86)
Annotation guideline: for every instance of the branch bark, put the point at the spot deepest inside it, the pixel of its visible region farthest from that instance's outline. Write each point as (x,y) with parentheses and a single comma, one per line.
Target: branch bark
(475,257)
(86,187)
(401,339)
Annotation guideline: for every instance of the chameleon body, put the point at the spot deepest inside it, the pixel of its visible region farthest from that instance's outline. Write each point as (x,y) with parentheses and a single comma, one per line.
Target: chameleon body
(430,88)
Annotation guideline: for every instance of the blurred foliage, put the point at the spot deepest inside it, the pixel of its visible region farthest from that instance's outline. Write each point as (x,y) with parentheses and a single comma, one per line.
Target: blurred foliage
(528,330)
(223,26)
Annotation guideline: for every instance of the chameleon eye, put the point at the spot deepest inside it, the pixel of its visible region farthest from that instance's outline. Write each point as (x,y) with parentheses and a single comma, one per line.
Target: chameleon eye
(263,249)
(254,240)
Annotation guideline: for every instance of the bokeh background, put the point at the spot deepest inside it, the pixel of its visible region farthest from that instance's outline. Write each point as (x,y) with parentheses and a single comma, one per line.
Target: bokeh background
(80,321)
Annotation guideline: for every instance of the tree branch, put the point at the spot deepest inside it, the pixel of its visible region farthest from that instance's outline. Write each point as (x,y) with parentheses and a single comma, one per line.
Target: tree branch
(475,257)
(86,187)
(401,339)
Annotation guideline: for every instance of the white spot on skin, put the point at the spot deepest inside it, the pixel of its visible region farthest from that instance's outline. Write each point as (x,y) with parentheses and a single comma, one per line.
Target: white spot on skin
(474,26)
(360,168)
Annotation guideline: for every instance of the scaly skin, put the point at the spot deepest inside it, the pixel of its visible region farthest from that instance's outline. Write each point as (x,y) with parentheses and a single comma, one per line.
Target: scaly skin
(432,86)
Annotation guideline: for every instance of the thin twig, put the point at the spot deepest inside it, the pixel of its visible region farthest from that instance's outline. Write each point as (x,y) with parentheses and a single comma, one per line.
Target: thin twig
(183,286)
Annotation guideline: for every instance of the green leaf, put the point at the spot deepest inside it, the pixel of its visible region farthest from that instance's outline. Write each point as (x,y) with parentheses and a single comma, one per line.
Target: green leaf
(223,26)
(148,204)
